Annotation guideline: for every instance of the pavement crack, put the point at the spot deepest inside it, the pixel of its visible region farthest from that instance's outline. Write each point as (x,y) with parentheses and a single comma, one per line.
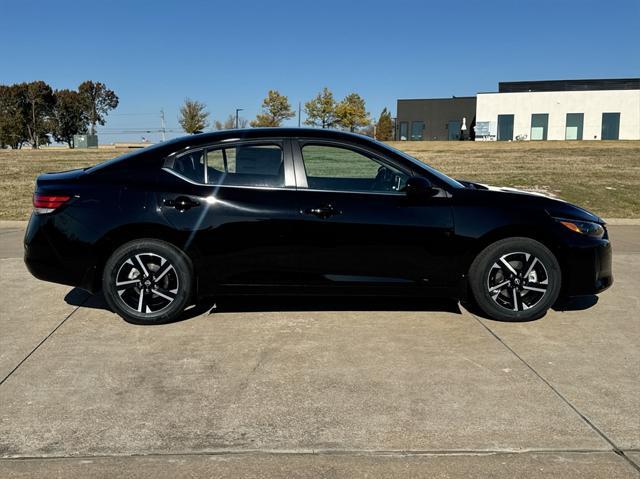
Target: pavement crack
(595,428)
(41,343)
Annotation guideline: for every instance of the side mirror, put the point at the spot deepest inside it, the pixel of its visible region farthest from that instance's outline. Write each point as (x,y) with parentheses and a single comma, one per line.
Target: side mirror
(419,187)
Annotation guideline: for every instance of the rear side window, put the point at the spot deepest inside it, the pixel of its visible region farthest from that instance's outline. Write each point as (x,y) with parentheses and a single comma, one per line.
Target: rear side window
(191,166)
(246,165)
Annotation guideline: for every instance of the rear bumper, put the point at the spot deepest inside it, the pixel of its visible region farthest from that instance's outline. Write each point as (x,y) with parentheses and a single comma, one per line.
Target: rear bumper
(47,254)
(587,268)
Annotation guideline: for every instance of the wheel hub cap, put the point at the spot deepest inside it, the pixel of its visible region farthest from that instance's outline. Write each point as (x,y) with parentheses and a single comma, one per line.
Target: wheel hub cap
(517,281)
(147,283)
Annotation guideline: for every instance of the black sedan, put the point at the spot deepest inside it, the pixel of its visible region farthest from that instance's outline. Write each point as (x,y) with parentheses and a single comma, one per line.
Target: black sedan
(304,211)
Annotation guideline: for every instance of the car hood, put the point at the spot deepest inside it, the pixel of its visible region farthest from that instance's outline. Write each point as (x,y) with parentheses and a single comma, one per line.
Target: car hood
(555,207)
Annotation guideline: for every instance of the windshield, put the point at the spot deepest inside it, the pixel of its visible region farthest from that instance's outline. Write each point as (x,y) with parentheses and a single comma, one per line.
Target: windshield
(441,176)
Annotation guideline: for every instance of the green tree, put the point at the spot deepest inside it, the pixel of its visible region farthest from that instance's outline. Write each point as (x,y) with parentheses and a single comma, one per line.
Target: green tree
(193,117)
(39,103)
(13,125)
(352,113)
(275,109)
(97,101)
(321,110)
(384,126)
(68,117)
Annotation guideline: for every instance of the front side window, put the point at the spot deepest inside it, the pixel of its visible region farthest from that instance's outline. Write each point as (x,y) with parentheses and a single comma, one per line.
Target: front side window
(246,165)
(342,169)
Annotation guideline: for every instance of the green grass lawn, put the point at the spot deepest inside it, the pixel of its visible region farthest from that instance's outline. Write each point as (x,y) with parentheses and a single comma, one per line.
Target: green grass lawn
(602,176)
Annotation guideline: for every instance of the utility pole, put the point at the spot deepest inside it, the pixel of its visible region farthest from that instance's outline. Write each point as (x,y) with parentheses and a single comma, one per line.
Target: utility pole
(162,129)
(299,112)
(238,110)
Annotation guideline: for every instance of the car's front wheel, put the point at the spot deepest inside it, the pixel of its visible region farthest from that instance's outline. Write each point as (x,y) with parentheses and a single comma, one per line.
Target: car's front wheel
(147,281)
(515,279)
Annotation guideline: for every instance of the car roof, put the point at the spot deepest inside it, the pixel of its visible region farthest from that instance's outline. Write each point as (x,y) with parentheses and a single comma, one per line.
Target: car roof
(280,132)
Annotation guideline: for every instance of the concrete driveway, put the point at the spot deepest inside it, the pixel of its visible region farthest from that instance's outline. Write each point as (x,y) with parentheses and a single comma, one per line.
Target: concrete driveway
(318,388)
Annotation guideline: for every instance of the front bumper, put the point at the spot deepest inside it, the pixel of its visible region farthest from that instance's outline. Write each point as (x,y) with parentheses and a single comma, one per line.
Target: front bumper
(587,268)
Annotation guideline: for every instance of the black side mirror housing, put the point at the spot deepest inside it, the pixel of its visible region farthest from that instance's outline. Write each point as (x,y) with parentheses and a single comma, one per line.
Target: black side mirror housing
(419,187)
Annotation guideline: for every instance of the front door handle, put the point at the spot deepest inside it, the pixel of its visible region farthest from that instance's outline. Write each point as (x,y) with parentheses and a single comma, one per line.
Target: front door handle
(323,212)
(181,203)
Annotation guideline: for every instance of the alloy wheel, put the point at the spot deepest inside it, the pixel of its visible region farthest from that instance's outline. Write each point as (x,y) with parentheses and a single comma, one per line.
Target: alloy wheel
(147,283)
(517,281)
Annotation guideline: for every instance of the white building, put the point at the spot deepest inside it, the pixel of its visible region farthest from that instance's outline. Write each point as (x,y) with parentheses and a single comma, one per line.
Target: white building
(561,110)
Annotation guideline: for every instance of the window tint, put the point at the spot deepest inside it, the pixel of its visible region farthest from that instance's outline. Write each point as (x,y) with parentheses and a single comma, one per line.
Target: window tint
(246,165)
(190,165)
(342,169)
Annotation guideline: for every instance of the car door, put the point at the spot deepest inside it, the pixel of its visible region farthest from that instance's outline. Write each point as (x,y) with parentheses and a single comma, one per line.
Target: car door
(357,226)
(234,206)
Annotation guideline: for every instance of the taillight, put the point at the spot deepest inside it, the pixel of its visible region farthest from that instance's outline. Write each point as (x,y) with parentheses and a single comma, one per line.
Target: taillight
(48,203)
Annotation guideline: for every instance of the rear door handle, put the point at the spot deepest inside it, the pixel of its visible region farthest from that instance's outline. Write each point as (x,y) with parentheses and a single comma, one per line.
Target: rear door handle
(181,203)
(323,212)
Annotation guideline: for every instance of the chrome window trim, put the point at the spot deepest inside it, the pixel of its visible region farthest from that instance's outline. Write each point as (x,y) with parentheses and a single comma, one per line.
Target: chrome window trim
(286,188)
(212,185)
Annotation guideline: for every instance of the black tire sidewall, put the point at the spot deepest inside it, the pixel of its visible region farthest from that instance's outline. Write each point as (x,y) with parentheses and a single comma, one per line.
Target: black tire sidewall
(480,269)
(183,270)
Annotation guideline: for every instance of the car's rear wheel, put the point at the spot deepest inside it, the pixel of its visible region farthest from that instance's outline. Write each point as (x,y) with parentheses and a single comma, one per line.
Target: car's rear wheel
(515,279)
(147,281)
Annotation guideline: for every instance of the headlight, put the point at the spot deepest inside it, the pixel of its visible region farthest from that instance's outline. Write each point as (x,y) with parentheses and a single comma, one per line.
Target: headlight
(586,228)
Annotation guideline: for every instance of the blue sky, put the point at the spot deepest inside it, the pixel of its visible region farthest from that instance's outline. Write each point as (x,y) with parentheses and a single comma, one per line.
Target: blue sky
(228,54)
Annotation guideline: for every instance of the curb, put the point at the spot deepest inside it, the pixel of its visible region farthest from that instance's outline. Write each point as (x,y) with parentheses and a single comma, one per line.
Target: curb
(623,221)
(13,224)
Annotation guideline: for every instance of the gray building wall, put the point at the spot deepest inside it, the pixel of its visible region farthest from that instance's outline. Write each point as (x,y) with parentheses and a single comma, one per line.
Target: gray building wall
(437,115)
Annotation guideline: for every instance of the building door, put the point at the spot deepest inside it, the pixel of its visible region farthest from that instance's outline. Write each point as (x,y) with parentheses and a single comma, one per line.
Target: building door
(404,130)
(574,125)
(417,130)
(610,126)
(539,126)
(505,127)
(454,127)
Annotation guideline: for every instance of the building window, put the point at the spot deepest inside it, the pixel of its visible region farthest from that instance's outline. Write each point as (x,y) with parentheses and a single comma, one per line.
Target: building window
(539,126)
(417,130)
(404,130)
(573,128)
(505,127)
(454,127)
(610,126)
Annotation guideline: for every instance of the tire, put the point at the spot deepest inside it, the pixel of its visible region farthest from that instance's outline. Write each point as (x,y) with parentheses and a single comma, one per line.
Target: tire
(515,279)
(147,281)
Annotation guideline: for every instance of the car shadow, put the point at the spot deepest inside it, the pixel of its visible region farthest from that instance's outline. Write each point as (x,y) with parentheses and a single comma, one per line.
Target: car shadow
(252,304)
(577,303)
